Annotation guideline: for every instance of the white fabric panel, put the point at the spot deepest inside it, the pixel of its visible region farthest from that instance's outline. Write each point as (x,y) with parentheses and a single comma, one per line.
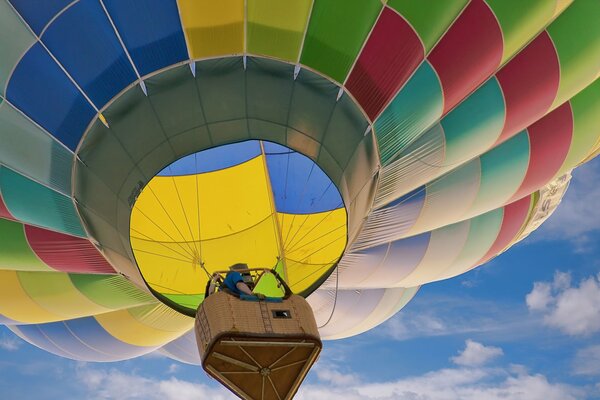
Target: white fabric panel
(381,266)
(393,300)
(390,223)
(482,234)
(183,349)
(448,198)
(356,311)
(418,164)
(444,248)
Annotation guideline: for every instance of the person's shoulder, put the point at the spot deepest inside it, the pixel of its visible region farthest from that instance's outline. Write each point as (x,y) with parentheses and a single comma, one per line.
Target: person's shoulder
(235,276)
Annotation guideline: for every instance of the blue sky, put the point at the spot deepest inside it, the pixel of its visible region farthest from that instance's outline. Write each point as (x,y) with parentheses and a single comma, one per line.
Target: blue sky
(524,326)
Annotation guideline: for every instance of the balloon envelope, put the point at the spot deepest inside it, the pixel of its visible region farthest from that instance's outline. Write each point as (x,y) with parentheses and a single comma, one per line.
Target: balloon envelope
(372,146)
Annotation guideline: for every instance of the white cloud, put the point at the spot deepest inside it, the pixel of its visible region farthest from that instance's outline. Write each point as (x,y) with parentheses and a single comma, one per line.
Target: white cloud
(173,368)
(476,354)
(587,361)
(432,316)
(450,384)
(513,382)
(10,343)
(114,384)
(578,214)
(575,310)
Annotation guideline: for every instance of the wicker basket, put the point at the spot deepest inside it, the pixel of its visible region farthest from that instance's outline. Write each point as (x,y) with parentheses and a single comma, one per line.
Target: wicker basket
(259,350)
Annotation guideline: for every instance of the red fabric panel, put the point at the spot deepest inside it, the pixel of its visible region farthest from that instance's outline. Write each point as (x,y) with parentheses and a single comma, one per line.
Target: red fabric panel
(66,253)
(4,213)
(514,218)
(529,83)
(550,140)
(468,53)
(389,57)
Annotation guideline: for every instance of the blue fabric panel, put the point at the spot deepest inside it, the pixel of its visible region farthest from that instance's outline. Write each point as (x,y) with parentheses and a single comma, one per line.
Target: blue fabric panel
(38,13)
(406,254)
(300,186)
(184,349)
(59,334)
(92,333)
(85,43)
(276,148)
(40,89)
(214,159)
(415,197)
(151,31)
(34,335)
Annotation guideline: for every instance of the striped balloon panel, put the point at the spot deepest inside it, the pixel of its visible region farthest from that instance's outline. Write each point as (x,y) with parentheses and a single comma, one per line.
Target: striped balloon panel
(29,248)
(107,337)
(527,99)
(430,146)
(38,297)
(356,311)
(183,349)
(34,204)
(434,255)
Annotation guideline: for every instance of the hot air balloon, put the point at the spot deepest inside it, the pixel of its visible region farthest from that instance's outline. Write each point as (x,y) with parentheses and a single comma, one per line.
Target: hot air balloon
(360,149)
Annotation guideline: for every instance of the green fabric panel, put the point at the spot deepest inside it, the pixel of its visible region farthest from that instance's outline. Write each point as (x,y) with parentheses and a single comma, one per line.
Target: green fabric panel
(16,39)
(336,33)
(191,301)
(268,286)
(475,124)
(418,105)
(346,129)
(21,138)
(502,172)
(276,28)
(313,101)
(483,232)
(33,203)
(167,92)
(520,21)
(430,19)
(15,253)
(269,89)
(586,115)
(576,37)
(110,291)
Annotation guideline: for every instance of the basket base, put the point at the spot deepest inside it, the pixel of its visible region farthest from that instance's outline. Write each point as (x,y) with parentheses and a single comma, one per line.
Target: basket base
(261,367)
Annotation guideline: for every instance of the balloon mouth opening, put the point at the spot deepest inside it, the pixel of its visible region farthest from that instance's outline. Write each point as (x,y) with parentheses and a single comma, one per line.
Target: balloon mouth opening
(255,202)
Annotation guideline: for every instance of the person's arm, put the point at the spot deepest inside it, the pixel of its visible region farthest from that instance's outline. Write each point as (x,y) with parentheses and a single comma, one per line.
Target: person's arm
(242,287)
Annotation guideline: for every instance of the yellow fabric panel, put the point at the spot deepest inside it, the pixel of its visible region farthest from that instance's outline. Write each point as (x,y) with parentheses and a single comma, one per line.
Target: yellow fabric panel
(146,325)
(314,238)
(561,5)
(258,247)
(285,15)
(238,199)
(17,305)
(54,291)
(213,28)
(303,275)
